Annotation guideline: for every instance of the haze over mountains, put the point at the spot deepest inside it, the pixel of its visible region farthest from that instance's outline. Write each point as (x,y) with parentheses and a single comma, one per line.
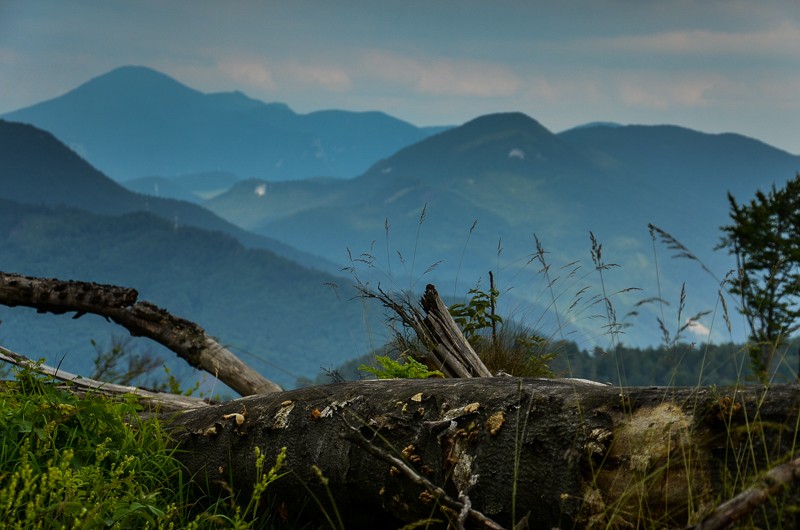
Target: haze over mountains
(136,122)
(518,179)
(59,217)
(506,171)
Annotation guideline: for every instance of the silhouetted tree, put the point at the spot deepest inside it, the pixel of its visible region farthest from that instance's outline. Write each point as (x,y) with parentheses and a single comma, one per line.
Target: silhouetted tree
(765,238)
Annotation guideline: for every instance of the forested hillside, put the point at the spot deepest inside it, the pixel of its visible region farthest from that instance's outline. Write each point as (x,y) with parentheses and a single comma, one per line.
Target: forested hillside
(285,320)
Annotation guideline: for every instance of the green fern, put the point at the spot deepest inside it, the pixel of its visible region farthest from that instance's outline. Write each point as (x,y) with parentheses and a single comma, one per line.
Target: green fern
(391,369)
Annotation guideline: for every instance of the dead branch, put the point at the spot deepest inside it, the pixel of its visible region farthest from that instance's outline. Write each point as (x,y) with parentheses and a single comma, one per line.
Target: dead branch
(771,484)
(161,401)
(140,318)
(463,506)
(450,352)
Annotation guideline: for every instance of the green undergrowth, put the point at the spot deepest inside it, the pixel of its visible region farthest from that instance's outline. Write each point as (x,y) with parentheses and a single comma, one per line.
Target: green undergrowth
(92,462)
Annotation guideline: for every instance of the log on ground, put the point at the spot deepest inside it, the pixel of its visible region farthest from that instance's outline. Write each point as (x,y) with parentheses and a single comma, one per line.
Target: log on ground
(564,452)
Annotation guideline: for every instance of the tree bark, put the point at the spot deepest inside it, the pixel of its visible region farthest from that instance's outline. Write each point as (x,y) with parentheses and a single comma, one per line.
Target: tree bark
(563,452)
(121,305)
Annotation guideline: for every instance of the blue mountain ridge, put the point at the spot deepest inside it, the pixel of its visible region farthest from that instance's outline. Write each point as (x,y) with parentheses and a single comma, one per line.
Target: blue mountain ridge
(519,181)
(60,217)
(134,121)
(455,203)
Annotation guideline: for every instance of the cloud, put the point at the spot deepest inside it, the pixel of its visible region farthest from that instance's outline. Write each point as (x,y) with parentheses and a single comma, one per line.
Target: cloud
(442,77)
(696,328)
(327,77)
(662,91)
(267,75)
(248,73)
(782,39)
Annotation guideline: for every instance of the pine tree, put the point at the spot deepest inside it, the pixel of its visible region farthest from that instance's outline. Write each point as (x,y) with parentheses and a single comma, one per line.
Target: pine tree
(765,238)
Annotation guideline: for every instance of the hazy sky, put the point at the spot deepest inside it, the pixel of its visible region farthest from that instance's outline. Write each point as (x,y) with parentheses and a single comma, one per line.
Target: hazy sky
(715,66)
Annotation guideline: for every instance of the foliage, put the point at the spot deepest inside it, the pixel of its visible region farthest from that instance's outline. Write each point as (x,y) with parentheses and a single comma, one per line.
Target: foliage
(514,350)
(680,364)
(407,368)
(108,359)
(80,462)
(765,238)
(518,352)
(70,462)
(477,314)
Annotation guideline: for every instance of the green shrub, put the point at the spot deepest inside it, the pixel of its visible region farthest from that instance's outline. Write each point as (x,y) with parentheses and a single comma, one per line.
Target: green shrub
(93,462)
(404,368)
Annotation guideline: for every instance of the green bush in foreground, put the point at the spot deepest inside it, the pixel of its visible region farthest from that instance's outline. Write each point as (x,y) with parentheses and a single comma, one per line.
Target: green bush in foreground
(70,462)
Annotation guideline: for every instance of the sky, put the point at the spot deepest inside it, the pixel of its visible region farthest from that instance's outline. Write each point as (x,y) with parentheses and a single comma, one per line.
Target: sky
(713,66)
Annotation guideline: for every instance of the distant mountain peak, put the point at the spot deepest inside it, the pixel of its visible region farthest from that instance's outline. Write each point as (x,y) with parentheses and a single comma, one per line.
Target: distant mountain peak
(133,72)
(510,142)
(134,121)
(596,124)
(135,80)
(505,120)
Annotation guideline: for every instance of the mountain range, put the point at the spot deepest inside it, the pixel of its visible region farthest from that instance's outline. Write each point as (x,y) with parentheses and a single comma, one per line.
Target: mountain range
(39,169)
(517,179)
(136,122)
(499,193)
(60,217)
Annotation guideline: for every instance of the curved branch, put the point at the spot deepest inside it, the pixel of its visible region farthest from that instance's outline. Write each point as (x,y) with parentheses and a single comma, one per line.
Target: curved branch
(140,318)
(774,482)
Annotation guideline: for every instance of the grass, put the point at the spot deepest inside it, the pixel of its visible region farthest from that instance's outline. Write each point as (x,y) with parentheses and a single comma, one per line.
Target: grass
(747,453)
(90,462)
(640,501)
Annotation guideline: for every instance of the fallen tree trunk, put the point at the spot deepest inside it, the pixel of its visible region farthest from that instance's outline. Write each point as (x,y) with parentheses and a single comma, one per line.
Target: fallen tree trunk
(142,319)
(474,452)
(568,453)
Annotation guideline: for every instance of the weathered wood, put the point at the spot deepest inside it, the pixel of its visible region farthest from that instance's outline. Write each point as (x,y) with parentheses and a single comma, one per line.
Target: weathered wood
(452,348)
(140,318)
(577,455)
(152,401)
(771,484)
(449,351)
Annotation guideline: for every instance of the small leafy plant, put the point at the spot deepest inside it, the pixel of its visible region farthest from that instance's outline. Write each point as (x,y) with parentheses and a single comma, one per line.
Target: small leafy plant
(405,368)
(477,314)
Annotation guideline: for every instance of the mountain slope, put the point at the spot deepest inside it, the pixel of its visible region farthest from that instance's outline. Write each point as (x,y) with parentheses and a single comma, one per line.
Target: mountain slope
(135,121)
(517,179)
(283,319)
(669,171)
(38,169)
(477,165)
(192,187)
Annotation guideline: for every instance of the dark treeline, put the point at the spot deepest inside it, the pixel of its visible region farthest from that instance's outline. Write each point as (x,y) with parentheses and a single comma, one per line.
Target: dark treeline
(680,364)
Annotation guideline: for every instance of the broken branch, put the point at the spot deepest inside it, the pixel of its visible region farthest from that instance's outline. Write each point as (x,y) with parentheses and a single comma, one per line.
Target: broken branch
(140,318)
